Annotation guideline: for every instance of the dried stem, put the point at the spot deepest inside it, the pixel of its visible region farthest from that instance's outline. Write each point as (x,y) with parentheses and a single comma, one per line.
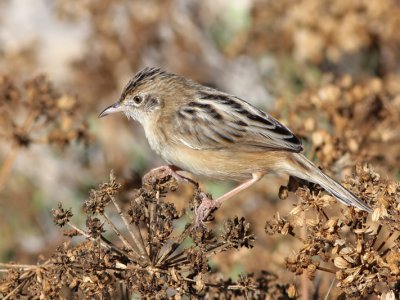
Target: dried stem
(326,270)
(383,254)
(13,153)
(176,258)
(330,289)
(211,251)
(119,235)
(8,164)
(10,294)
(177,262)
(173,246)
(304,280)
(137,240)
(152,216)
(139,235)
(228,287)
(384,242)
(81,232)
(378,231)
(104,242)
(324,213)
(20,266)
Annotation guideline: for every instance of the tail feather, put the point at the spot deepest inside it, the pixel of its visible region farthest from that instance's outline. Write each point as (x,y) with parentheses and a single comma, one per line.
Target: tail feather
(306,170)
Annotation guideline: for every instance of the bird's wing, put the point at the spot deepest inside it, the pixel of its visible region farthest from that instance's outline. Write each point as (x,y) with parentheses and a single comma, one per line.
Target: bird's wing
(221,121)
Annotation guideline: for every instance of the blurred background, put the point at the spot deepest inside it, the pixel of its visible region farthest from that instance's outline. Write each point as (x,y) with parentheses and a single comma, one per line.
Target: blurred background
(328,69)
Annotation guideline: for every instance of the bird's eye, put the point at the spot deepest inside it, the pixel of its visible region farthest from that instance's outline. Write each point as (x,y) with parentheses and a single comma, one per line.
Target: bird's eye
(137,99)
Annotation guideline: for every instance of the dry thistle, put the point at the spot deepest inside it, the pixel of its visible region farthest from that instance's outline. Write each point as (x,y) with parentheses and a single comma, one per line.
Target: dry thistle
(139,252)
(39,113)
(347,121)
(347,245)
(36,113)
(317,31)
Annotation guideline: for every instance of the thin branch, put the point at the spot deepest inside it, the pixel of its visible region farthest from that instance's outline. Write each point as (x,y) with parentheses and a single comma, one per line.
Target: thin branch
(10,294)
(326,270)
(133,234)
(218,286)
(384,242)
(324,213)
(330,289)
(104,243)
(19,266)
(12,155)
(376,235)
(118,233)
(383,254)
(152,215)
(304,279)
(178,258)
(8,163)
(139,234)
(24,266)
(216,246)
(81,232)
(173,246)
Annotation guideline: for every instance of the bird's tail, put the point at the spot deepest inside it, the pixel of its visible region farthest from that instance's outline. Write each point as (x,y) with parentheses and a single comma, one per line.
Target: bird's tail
(306,170)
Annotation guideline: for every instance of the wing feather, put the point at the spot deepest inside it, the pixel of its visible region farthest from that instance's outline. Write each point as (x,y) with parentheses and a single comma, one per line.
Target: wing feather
(220,121)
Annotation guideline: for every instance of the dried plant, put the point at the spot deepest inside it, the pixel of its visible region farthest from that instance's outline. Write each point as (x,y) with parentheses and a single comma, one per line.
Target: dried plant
(159,253)
(362,253)
(36,113)
(318,31)
(136,242)
(116,49)
(347,121)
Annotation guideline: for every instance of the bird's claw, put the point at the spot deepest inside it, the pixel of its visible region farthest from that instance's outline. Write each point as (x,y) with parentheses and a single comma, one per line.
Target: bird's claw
(165,171)
(157,173)
(206,207)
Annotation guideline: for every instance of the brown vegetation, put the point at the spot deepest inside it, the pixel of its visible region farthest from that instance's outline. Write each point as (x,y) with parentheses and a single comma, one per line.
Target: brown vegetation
(333,68)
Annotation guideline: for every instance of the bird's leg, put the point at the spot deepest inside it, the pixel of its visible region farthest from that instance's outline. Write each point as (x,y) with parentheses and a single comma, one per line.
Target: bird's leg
(168,170)
(208,205)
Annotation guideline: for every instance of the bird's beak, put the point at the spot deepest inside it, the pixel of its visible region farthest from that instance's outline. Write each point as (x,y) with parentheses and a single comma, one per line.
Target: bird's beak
(116,107)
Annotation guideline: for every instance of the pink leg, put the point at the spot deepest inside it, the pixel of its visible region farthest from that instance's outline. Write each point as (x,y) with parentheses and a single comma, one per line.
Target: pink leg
(207,205)
(168,170)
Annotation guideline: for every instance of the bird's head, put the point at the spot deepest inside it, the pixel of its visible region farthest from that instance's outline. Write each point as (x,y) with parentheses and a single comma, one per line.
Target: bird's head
(144,94)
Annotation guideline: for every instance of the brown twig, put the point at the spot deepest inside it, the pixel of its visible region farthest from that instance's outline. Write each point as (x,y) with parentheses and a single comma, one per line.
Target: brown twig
(133,234)
(20,266)
(326,270)
(119,235)
(8,164)
(173,246)
(104,242)
(10,294)
(304,280)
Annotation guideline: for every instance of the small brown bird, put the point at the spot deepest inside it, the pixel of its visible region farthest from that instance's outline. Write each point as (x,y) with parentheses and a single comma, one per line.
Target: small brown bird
(211,133)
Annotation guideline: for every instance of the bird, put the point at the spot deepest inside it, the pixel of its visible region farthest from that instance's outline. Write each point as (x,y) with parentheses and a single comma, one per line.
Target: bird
(211,133)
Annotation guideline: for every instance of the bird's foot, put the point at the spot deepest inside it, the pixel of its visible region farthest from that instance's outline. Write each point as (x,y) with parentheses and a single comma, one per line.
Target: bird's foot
(206,207)
(166,171)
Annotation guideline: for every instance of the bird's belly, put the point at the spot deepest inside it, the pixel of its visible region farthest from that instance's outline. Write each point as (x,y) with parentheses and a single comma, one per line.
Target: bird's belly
(210,166)
(222,165)
(219,164)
